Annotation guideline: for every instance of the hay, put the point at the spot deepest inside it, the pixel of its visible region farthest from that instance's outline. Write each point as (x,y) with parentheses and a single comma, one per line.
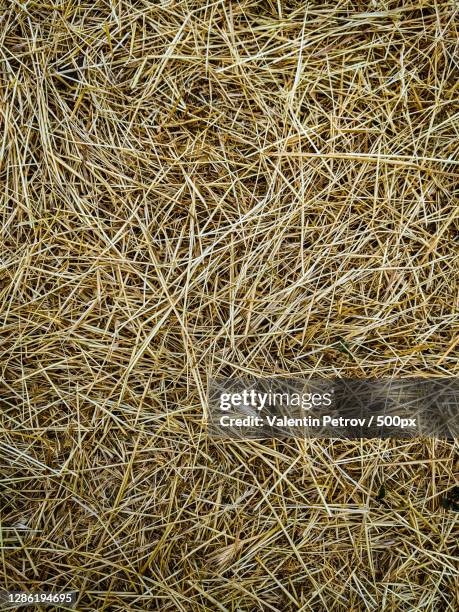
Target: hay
(194,189)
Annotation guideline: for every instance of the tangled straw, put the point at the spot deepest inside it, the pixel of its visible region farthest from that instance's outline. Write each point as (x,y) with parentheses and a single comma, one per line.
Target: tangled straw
(197,189)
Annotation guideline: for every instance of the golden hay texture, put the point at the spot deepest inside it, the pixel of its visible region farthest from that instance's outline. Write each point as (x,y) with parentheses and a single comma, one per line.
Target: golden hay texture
(192,190)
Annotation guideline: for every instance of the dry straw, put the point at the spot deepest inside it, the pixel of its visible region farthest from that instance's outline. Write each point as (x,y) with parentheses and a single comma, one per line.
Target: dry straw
(191,189)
